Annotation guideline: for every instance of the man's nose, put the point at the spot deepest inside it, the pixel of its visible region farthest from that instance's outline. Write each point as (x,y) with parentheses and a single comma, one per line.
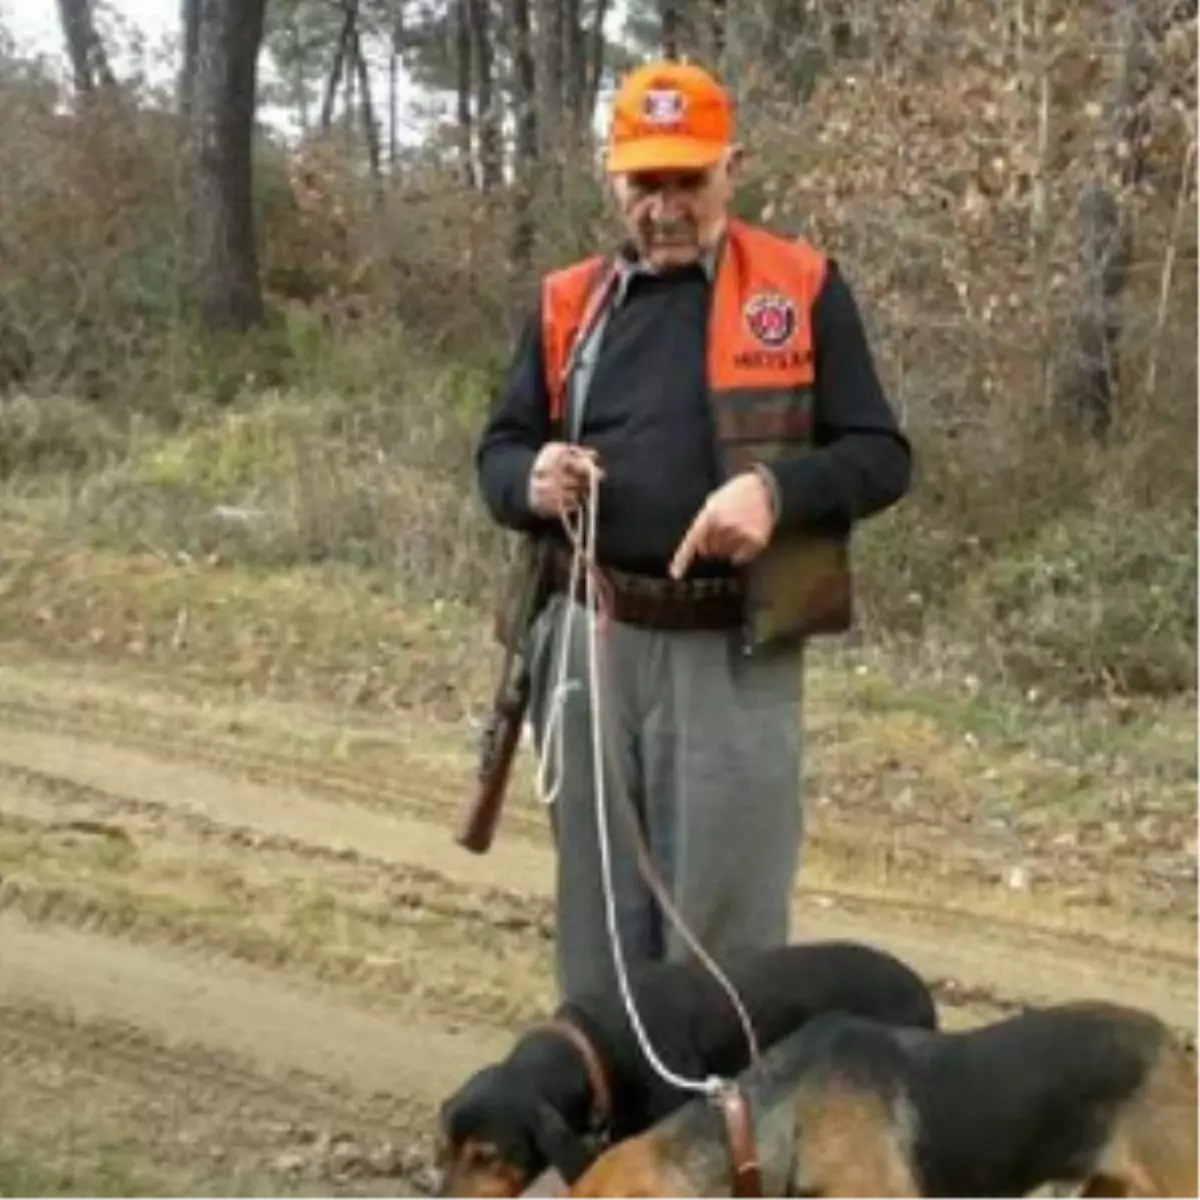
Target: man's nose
(665,202)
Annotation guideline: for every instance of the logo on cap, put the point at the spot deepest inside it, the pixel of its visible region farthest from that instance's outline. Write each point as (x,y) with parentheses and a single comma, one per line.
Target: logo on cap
(770,317)
(662,106)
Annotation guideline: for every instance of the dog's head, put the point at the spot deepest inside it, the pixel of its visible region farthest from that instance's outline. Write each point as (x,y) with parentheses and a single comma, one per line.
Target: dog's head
(496,1137)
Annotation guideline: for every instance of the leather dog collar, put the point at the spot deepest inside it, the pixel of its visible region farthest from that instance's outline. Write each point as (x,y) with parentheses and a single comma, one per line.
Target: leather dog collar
(602,1105)
(739,1126)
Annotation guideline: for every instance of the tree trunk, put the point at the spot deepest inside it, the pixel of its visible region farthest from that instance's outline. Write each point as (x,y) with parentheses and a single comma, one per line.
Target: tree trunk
(349,80)
(1128,115)
(298,82)
(189,16)
(595,64)
(397,47)
(839,29)
(669,17)
(89,63)
(575,67)
(684,29)
(526,118)
(719,22)
(1086,388)
(350,14)
(1086,391)
(550,78)
(491,162)
(186,99)
(225,285)
(370,128)
(463,67)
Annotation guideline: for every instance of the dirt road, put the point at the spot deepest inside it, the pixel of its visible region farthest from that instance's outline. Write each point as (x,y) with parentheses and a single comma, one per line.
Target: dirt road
(238,942)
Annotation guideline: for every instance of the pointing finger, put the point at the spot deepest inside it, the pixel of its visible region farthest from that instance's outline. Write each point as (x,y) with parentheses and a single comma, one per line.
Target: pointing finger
(690,545)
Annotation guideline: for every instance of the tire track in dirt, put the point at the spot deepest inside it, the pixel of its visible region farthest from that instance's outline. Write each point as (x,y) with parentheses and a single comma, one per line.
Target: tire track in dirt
(488,911)
(425,791)
(185,1002)
(269,809)
(1010,962)
(41,800)
(426,797)
(435,774)
(177,1013)
(270,1065)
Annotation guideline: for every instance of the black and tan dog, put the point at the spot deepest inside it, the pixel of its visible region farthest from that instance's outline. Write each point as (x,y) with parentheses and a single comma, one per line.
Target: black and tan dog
(1088,1094)
(576,1083)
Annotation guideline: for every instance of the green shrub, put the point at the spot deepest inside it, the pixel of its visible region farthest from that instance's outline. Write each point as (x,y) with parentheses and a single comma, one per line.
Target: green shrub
(52,434)
(1103,600)
(379,478)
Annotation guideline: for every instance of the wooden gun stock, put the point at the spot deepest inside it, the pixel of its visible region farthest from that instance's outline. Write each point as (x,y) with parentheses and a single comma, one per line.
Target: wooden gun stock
(501,736)
(502,732)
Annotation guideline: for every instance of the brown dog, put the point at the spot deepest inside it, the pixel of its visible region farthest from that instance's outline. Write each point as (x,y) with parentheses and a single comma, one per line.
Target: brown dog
(1088,1094)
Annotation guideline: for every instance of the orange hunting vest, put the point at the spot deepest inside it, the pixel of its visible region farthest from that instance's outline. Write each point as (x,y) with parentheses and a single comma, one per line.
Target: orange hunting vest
(760,378)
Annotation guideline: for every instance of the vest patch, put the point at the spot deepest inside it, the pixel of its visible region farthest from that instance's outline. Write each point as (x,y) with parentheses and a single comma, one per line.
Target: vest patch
(770,317)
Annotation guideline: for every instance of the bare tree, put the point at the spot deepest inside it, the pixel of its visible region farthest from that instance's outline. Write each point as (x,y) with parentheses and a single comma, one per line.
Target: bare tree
(1088,383)
(550,77)
(396,49)
(225,284)
(89,63)
(719,28)
(366,103)
(526,117)
(491,162)
(595,64)
(463,69)
(669,18)
(575,66)
(338,67)
(1088,386)
(189,16)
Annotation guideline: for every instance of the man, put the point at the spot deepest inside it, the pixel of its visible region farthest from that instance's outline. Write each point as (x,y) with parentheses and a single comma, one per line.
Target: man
(717,378)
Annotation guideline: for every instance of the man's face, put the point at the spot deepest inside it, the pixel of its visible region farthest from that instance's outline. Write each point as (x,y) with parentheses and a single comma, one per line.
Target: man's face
(675,215)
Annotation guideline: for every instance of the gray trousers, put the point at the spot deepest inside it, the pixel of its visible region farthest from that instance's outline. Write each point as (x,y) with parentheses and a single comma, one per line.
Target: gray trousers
(706,745)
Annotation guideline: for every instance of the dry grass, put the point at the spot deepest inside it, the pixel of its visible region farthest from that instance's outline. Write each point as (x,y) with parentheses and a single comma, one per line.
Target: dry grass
(911,757)
(310,632)
(343,923)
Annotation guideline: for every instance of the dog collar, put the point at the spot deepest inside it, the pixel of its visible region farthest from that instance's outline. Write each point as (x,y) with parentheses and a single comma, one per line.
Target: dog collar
(602,1104)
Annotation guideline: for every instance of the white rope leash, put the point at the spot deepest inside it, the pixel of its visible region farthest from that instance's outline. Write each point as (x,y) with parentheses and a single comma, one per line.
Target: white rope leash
(584,550)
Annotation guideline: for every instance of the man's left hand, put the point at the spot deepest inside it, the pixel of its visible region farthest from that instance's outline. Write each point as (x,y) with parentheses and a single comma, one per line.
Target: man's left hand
(735,523)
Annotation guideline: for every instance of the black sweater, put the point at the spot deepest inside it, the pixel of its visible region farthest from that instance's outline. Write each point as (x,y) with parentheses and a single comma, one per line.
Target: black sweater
(647,416)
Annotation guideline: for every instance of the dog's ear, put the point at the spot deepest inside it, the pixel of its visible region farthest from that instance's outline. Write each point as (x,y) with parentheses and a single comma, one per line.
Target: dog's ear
(561,1147)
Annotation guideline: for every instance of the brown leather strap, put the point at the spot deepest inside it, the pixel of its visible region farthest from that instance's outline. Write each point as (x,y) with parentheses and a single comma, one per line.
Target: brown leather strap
(597,1077)
(739,1126)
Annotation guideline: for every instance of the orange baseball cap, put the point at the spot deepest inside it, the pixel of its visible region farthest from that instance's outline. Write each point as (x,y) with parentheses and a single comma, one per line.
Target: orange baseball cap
(668,116)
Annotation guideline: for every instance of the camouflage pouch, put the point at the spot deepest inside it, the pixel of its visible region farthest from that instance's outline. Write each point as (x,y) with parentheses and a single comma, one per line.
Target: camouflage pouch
(798,587)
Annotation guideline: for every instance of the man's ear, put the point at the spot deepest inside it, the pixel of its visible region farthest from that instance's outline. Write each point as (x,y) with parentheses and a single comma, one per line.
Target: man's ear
(561,1147)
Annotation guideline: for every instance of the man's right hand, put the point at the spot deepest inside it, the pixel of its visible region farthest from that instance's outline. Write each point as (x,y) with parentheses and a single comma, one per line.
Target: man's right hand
(559,478)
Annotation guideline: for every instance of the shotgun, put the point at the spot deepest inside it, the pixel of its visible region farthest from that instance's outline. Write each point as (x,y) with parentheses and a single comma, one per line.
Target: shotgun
(502,728)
